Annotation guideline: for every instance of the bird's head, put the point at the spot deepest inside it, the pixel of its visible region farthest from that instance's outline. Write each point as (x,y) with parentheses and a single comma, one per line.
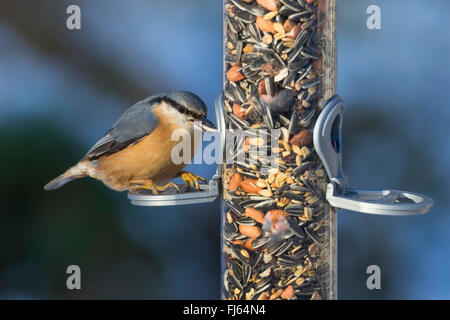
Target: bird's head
(187,108)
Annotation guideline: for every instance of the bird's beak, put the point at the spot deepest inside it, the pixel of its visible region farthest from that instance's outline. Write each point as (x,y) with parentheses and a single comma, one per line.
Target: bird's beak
(205,125)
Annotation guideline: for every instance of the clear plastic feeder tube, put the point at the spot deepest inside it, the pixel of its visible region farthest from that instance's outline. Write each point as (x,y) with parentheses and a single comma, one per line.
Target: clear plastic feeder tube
(278,230)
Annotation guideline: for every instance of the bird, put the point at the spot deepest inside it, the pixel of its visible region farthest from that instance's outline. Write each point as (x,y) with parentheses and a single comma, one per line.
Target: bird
(136,152)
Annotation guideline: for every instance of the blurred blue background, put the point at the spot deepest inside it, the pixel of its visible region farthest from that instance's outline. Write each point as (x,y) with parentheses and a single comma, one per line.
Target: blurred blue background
(60,90)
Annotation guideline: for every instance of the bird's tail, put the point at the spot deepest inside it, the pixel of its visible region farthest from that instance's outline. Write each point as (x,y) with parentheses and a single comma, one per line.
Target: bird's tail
(73,173)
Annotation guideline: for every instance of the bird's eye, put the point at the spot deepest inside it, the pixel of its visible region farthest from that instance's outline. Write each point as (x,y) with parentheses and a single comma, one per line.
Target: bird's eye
(181,109)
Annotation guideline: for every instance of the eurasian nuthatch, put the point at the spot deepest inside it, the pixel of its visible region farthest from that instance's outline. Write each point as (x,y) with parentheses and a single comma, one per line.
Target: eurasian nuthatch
(136,152)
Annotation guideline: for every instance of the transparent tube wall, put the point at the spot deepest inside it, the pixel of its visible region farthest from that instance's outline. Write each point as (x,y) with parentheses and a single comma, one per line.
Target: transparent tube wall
(278,231)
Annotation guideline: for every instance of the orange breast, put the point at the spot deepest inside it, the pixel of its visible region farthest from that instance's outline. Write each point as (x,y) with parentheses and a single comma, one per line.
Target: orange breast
(150,158)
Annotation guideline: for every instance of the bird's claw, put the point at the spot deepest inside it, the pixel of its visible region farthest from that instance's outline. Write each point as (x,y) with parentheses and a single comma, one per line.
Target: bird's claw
(191,179)
(150,185)
(165,187)
(144,186)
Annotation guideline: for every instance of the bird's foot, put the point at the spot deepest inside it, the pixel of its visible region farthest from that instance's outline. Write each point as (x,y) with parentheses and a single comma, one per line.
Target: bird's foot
(150,185)
(191,179)
(165,187)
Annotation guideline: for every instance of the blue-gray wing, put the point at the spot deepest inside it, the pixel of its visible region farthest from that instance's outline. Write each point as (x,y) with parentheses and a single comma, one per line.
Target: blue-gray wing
(134,125)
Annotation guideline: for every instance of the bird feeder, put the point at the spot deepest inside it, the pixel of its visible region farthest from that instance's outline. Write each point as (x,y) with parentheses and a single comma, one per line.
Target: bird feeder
(279,206)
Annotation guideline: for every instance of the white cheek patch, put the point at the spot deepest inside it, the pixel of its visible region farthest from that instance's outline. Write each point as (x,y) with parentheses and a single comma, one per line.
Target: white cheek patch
(172,115)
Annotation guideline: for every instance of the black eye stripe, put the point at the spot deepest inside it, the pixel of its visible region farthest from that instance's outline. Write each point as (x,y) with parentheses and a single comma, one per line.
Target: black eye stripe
(177,106)
(184,110)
